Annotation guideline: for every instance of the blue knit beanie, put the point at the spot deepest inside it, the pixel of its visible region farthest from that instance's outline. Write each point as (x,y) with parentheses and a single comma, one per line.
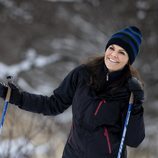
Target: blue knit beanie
(129,39)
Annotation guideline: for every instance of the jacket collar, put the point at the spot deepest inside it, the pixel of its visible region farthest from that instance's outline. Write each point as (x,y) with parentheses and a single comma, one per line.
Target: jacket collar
(111,76)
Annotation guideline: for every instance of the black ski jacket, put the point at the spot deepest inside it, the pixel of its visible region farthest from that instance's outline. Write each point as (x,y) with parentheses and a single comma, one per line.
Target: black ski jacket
(97,123)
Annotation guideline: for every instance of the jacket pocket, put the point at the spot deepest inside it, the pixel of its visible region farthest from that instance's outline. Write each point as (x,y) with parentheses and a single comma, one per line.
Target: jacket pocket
(106,134)
(106,113)
(99,144)
(99,106)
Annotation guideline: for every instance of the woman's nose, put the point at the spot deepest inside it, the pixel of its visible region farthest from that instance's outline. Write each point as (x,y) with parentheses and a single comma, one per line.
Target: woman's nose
(114,54)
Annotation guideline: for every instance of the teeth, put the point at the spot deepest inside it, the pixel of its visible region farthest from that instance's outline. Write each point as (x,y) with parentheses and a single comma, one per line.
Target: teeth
(113,60)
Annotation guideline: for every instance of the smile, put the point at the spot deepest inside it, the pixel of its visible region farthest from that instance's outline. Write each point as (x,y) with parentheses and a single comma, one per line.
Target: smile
(112,61)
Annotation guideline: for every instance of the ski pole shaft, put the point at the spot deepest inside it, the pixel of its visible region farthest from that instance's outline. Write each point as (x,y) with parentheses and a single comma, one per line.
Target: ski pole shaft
(125,126)
(6,102)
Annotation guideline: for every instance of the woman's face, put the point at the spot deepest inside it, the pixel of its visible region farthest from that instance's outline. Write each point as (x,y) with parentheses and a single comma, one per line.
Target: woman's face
(115,58)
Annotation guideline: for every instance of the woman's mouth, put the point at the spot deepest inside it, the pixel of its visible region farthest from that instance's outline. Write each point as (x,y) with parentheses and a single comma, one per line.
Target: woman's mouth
(112,60)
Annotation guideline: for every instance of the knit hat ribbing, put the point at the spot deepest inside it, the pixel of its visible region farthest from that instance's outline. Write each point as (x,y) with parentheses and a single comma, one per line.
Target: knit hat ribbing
(130,39)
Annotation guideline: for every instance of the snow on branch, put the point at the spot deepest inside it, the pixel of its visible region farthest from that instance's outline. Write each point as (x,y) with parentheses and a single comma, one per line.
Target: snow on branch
(32,60)
(64,0)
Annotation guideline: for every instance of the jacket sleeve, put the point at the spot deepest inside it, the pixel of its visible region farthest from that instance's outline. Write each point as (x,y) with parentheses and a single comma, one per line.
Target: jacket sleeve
(135,130)
(53,105)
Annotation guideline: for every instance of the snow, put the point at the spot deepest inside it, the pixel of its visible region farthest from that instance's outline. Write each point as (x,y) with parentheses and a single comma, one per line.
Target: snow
(44,89)
(17,11)
(20,147)
(13,146)
(7,3)
(141,14)
(64,0)
(64,118)
(32,59)
(93,2)
(142,6)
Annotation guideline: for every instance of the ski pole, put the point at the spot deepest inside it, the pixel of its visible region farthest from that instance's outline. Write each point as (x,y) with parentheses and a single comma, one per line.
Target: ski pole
(125,126)
(6,102)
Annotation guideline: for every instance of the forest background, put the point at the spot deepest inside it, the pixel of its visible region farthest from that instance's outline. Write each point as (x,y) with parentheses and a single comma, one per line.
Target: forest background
(42,40)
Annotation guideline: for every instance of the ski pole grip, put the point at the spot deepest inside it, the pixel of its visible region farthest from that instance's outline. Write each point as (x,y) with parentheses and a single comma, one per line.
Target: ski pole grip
(131,100)
(9,79)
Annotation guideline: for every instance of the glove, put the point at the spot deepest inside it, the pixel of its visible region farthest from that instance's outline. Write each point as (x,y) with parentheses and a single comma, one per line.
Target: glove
(3,90)
(15,92)
(135,86)
(4,87)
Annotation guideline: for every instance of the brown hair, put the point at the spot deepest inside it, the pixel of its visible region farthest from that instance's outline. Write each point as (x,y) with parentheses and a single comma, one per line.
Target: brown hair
(97,80)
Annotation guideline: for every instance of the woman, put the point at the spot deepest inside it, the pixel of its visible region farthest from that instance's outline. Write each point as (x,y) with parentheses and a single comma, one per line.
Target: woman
(99,93)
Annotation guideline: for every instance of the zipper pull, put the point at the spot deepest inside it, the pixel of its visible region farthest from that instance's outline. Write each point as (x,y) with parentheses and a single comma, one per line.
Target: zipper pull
(107,77)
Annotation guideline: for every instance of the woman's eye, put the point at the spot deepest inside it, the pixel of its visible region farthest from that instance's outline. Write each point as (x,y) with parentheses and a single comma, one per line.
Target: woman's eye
(123,53)
(111,48)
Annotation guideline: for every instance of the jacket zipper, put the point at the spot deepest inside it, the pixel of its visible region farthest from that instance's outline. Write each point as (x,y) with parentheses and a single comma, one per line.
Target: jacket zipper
(106,134)
(107,77)
(99,106)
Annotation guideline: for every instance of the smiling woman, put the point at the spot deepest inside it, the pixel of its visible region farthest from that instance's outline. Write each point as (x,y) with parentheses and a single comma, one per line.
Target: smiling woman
(129,39)
(115,58)
(99,103)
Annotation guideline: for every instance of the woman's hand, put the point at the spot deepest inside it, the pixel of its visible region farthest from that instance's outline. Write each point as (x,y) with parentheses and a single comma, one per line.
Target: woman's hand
(3,89)
(135,86)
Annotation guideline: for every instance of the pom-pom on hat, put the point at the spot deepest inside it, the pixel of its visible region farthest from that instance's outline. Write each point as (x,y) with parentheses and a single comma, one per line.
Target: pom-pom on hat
(129,39)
